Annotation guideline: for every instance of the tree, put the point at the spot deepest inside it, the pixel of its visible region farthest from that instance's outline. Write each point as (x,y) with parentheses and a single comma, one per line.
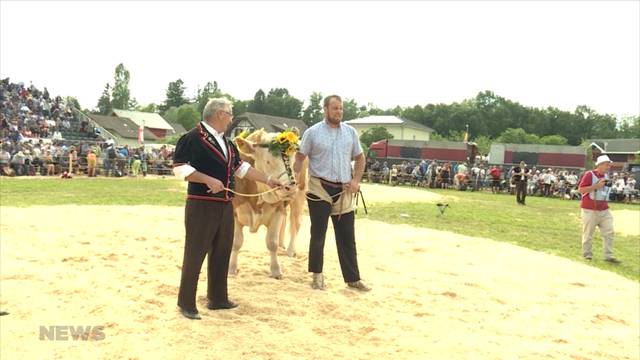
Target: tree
(149,108)
(171,115)
(602,126)
(516,136)
(73,102)
(374,134)
(553,140)
(120,93)
(240,107)
(630,127)
(172,139)
(483,143)
(104,102)
(257,104)
(350,110)
(415,114)
(279,102)
(188,116)
(175,95)
(454,135)
(313,112)
(209,91)
(133,104)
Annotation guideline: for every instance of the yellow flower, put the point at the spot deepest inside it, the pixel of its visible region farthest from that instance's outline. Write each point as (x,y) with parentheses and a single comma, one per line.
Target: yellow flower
(290,150)
(281,138)
(292,137)
(243,134)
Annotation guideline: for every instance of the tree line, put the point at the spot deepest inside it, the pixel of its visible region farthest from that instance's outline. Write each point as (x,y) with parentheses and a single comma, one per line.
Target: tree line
(489,117)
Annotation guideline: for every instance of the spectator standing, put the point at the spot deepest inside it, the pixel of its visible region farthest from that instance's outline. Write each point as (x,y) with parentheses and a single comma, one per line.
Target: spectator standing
(495,179)
(547,180)
(519,177)
(594,187)
(92,161)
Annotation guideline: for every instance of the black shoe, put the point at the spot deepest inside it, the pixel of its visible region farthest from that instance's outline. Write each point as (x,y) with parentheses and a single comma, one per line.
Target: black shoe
(613,260)
(190,314)
(222,306)
(588,257)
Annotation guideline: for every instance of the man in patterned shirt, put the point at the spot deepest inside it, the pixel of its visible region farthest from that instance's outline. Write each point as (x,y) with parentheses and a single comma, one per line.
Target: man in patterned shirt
(331,146)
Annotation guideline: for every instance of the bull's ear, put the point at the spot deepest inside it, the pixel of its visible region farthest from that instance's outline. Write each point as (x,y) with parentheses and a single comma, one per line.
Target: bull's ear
(245,147)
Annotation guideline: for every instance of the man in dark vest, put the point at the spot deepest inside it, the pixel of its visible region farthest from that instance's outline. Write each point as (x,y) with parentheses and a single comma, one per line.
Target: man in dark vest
(209,161)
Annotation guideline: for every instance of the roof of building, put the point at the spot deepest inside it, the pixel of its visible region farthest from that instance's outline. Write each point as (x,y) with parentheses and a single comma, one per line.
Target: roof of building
(621,146)
(269,123)
(178,128)
(388,120)
(541,148)
(425,144)
(122,127)
(150,120)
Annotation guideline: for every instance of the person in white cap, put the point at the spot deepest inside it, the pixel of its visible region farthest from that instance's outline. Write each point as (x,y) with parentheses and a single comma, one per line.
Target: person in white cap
(594,188)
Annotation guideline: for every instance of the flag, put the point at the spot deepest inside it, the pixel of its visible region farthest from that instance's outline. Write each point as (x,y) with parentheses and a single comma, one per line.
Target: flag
(140,135)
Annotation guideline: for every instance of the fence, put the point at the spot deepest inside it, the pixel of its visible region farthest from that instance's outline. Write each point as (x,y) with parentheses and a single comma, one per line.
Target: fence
(117,167)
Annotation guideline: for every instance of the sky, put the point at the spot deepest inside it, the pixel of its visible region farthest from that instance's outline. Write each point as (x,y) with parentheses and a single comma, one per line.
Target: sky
(539,53)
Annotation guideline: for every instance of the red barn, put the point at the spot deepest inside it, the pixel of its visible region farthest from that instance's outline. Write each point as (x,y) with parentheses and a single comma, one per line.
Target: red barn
(538,155)
(395,151)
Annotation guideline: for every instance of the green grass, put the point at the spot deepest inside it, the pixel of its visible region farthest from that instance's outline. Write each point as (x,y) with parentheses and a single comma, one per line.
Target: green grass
(97,191)
(549,225)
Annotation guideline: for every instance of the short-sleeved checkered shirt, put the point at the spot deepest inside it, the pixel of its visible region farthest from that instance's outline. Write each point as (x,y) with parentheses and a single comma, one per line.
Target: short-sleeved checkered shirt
(330,151)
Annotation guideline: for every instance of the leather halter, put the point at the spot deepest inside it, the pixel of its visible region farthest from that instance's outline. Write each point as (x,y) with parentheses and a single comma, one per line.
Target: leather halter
(287,165)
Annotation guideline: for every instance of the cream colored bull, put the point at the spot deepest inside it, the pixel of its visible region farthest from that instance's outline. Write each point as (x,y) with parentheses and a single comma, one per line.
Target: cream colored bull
(269,209)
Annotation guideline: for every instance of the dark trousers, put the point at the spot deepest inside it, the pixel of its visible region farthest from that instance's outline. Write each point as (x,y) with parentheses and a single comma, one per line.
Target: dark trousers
(547,189)
(319,212)
(495,185)
(209,231)
(521,191)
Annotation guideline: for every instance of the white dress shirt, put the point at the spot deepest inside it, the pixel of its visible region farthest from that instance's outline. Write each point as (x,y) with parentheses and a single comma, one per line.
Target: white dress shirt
(185,170)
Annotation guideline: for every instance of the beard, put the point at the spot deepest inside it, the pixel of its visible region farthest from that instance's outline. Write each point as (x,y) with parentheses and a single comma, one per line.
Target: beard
(334,120)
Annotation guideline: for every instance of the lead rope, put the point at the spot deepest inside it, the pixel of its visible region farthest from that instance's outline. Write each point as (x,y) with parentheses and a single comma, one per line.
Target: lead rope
(288,172)
(255,195)
(251,195)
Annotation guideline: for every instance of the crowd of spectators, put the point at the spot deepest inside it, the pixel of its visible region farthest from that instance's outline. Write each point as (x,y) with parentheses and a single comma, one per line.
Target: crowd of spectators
(33,129)
(28,113)
(548,182)
(65,159)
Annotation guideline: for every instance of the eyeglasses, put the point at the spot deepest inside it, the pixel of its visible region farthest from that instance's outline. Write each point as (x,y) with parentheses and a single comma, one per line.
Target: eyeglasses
(228,113)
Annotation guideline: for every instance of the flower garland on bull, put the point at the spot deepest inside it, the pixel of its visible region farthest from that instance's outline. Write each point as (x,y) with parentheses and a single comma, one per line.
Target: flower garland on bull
(284,144)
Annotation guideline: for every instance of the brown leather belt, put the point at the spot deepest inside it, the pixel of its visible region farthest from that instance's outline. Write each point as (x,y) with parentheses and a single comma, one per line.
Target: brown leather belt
(332,184)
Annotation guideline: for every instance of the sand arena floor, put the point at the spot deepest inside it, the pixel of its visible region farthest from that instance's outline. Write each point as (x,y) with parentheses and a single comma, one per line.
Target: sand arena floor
(436,295)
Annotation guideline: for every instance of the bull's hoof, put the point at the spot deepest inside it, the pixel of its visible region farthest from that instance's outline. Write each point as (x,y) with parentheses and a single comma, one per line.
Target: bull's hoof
(277,276)
(233,273)
(291,253)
